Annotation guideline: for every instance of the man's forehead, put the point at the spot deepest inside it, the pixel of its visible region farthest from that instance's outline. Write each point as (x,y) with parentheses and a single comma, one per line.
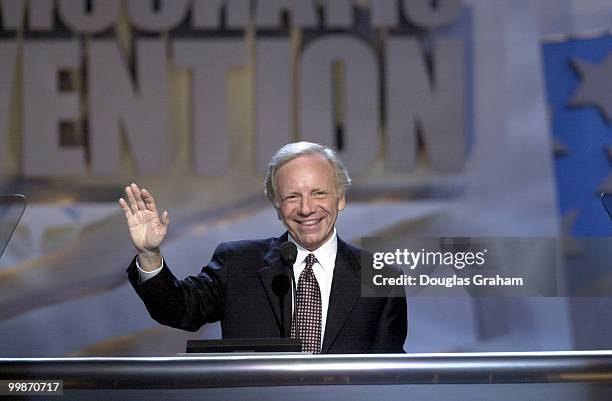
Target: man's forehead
(306,169)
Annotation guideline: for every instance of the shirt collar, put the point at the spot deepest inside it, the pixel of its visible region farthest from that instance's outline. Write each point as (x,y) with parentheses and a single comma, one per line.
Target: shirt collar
(325,254)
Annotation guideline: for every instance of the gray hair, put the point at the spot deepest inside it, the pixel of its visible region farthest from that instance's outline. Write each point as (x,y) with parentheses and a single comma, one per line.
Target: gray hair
(297,149)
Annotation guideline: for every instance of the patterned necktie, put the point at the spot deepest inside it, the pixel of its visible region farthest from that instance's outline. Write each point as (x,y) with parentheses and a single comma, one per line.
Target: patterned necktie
(306,322)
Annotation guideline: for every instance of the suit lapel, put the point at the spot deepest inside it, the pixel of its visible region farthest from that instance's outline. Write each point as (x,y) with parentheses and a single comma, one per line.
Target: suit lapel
(345,291)
(274,267)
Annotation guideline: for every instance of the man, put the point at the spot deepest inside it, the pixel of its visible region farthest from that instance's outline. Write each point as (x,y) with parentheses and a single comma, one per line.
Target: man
(306,183)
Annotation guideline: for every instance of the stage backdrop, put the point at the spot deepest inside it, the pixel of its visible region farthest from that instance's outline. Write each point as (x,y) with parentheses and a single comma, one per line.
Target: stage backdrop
(438,108)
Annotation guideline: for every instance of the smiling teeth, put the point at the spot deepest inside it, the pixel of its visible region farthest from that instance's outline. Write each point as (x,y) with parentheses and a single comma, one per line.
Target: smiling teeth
(310,222)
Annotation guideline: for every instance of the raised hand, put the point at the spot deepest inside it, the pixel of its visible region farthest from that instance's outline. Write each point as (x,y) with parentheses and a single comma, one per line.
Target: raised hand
(147,229)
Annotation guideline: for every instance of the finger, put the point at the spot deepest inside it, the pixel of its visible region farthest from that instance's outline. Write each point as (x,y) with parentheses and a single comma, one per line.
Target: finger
(149,200)
(126,209)
(165,218)
(131,199)
(138,196)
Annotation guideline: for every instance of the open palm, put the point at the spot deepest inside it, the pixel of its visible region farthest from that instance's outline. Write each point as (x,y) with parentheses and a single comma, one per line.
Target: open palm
(147,229)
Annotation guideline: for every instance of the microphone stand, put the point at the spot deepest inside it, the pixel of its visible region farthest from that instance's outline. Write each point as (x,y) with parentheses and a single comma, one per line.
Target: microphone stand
(280,287)
(281,299)
(288,258)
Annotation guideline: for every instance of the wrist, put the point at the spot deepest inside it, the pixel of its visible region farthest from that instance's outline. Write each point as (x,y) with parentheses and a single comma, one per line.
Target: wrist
(149,260)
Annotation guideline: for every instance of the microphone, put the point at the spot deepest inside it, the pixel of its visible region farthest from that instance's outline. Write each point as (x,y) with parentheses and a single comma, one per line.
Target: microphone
(280,287)
(288,255)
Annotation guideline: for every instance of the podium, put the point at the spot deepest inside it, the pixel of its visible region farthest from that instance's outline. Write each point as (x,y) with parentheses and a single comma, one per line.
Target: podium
(581,375)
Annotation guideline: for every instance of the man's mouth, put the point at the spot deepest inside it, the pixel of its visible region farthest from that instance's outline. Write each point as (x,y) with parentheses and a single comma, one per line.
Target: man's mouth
(310,222)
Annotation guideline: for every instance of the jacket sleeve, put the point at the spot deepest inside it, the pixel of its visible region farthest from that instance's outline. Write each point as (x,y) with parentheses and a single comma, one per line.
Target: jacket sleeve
(392,327)
(393,324)
(184,304)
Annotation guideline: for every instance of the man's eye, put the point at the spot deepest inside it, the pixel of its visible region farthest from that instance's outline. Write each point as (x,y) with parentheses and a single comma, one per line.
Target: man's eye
(320,194)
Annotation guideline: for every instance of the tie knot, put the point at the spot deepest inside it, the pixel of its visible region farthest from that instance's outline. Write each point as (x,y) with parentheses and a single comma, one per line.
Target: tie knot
(310,260)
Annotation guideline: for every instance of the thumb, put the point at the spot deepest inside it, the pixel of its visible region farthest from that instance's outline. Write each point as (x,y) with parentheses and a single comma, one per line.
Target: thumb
(165,218)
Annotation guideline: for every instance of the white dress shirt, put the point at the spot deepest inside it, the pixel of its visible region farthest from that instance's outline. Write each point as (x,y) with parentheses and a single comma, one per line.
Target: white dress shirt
(145,275)
(323,271)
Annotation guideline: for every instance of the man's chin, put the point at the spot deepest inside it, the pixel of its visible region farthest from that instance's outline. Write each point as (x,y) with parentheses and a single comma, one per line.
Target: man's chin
(311,243)
(306,243)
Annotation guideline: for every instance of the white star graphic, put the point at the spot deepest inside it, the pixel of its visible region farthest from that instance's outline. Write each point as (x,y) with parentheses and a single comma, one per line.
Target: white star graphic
(596,86)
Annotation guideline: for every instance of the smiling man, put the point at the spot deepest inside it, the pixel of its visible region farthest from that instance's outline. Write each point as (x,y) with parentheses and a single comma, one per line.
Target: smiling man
(308,199)
(306,183)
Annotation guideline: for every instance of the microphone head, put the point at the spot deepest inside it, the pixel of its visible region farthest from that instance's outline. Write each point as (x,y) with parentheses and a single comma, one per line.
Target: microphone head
(280,285)
(288,253)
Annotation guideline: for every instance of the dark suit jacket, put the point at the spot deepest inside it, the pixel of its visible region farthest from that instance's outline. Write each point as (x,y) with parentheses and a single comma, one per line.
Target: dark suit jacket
(235,288)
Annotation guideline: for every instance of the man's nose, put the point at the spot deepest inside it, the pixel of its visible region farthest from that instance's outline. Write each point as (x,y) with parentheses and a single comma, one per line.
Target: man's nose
(306,206)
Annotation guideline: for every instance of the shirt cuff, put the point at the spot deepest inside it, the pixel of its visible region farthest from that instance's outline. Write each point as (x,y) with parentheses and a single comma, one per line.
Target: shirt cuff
(144,275)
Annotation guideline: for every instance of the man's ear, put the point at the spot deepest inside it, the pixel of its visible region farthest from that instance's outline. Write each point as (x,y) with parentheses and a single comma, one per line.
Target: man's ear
(278,213)
(341,202)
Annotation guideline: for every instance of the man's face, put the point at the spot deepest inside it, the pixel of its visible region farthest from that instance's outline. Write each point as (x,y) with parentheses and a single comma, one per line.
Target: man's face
(308,201)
